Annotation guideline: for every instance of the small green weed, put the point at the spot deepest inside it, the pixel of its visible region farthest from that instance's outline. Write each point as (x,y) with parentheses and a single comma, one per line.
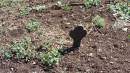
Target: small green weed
(7,54)
(66,7)
(129,36)
(25,11)
(32,25)
(99,21)
(51,57)
(4,3)
(90,3)
(128,2)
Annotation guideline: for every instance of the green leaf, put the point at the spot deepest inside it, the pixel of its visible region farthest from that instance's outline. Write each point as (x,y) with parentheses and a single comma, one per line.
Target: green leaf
(129,36)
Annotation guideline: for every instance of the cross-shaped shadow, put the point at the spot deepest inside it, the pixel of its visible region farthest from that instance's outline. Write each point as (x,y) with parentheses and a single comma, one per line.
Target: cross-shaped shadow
(77,35)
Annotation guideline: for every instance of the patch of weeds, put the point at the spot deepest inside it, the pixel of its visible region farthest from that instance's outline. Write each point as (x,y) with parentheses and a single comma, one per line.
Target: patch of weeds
(128,2)
(66,7)
(120,9)
(50,57)
(129,36)
(99,21)
(25,10)
(7,54)
(90,3)
(21,48)
(32,25)
(4,3)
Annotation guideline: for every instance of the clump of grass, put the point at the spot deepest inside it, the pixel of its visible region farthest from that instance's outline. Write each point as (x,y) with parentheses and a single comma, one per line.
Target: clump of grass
(99,21)
(32,25)
(90,3)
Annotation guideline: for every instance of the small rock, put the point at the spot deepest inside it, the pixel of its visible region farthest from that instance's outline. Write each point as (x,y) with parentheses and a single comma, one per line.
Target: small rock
(99,50)
(68,23)
(111,62)
(88,70)
(33,62)
(12,69)
(101,71)
(125,29)
(104,58)
(59,3)
(90,54)
(127,60)
(34,72)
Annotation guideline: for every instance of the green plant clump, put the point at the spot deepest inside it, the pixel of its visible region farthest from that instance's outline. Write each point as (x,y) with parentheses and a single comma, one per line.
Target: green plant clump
(120,9)
(90,3)
(25,10)
(51,57)
(18,49)
(129,36)
(99,21)
(5,3)
(21,49)
(32,25)
(7,54)
(66,7)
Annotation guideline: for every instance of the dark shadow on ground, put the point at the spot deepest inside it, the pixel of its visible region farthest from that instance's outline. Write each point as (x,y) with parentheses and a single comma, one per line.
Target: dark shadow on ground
(77,35)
